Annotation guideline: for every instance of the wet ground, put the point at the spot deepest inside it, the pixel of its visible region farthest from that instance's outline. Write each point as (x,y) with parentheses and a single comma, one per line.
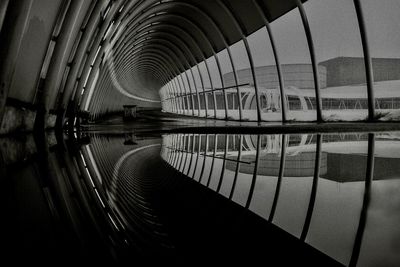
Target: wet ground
(188,193)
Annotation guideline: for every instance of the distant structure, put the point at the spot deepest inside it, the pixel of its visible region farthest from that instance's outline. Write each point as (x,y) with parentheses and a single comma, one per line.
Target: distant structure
(342,81)
(297,75)
(340,71)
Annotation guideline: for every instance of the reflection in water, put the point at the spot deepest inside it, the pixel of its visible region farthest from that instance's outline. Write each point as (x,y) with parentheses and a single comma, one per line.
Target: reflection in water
(316,187)
(128,198)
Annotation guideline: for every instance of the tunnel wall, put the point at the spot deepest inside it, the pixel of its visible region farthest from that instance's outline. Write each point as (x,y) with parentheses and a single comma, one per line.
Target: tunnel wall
(53,51)
(61,57)
(297,65)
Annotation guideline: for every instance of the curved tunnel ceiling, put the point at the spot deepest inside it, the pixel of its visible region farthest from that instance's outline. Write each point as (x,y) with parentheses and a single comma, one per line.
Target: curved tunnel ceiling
(63,58)
(151,42)
(98,55)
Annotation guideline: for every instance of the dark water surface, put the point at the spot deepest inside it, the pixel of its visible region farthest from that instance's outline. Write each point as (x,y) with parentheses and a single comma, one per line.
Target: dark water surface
(130,197)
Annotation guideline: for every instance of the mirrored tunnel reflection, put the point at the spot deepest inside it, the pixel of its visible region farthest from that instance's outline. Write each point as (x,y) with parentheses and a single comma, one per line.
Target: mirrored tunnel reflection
(331,191)
(126,197)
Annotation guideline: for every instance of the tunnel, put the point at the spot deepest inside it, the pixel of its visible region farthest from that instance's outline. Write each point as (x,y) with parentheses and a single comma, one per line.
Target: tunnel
(200,132)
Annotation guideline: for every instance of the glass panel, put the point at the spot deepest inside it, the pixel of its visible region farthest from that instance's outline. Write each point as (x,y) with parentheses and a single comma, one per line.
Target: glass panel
(201,147)
(296,66)
(244,77)
(188,149)
(226,67)
(186,152)
(209,159)
(216,79)
(194,156)
(296,184)
(175,155)
(202,104)
(220,104)
(200,89)
(178,90)
(230,164)
(267,76)
(175,90)
(180,152)
(339,195)
(173,99)
(176,151)
(246,169)
(207,87)
(340,59)
(382,22)
(381,233)
(218,162)
(210,102)
(212,65)
(186,90)
(164,98)
(195,98)
(169,146)
(193,89)
(267,173)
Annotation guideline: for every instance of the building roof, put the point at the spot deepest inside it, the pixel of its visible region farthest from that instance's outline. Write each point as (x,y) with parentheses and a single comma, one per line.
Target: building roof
(385,89)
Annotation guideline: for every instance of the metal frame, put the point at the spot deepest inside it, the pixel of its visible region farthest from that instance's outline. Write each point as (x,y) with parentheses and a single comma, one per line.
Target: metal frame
(367,60)
(313,56)
(143,40)
(204,158)
(277,62)
(314,188)
(74,62)
(253,180)
(223,164)
(240,29)
(197,27)
(280,177)
(366,201)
